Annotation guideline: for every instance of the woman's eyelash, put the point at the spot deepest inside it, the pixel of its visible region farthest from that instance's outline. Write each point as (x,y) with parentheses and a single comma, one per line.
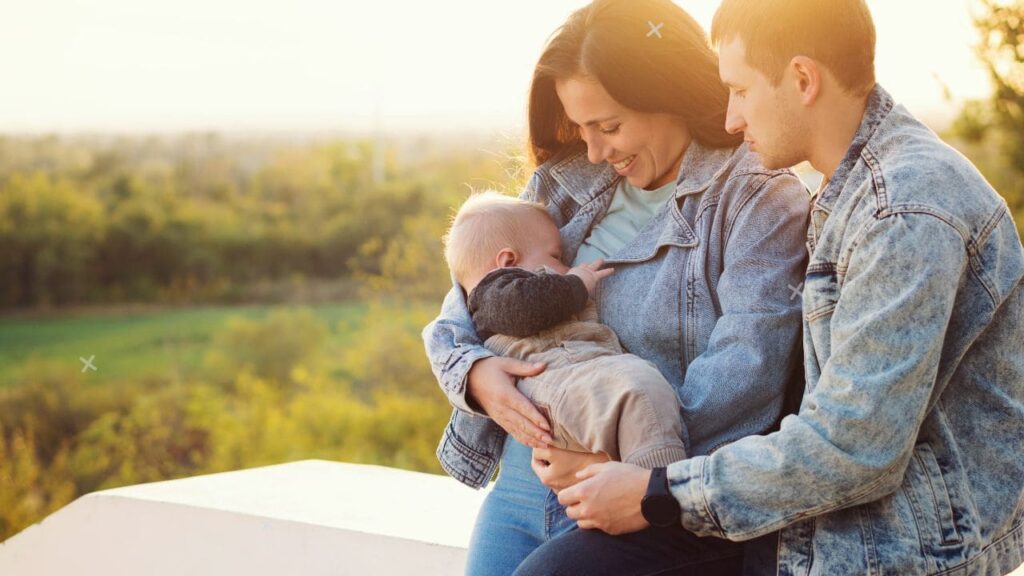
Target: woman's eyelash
(610,130)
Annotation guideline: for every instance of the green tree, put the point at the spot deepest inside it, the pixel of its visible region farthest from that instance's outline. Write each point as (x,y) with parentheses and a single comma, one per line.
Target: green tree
(48,231)
(994,129)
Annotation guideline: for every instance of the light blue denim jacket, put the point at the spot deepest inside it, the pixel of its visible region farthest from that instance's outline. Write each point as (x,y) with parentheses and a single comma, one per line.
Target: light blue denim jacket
(703,292)
(907,456)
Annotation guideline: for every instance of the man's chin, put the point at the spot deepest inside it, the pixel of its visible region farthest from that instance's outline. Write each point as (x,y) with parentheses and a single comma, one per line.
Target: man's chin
(771,162)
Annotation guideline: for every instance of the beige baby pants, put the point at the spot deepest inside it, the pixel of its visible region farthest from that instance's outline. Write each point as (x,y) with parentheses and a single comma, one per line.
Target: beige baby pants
(596,397)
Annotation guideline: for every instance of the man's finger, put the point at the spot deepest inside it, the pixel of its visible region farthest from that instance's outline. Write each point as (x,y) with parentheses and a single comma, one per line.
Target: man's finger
(570,496)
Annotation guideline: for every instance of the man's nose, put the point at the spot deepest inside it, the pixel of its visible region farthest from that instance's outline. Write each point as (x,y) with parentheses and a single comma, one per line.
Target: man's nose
(734,122)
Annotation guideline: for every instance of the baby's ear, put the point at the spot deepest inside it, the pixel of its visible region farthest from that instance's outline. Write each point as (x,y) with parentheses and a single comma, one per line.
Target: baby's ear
(506,258)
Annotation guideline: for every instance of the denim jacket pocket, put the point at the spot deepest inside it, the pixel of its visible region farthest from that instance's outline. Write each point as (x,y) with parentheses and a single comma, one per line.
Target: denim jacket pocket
(929,497)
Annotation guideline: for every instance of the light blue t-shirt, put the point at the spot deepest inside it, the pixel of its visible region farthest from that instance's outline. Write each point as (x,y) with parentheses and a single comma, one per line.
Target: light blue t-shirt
(630,210)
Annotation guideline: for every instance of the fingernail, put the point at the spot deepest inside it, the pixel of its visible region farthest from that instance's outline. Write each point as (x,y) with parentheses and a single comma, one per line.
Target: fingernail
(548,440)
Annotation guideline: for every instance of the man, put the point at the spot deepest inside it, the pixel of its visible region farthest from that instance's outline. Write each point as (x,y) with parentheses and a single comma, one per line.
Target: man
(907,455)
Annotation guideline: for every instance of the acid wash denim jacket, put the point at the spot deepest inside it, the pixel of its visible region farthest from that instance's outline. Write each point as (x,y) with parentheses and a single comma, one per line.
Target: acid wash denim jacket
(705,291)
(907,455)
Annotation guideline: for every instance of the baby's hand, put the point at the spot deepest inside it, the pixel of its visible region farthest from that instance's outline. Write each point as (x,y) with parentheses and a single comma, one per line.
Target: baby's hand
(590,274)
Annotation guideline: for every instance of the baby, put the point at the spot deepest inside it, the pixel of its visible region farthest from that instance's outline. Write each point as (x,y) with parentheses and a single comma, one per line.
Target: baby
(526,304)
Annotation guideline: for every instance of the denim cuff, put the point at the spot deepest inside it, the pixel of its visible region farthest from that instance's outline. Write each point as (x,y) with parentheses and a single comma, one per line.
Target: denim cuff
(686,482)
(455,378)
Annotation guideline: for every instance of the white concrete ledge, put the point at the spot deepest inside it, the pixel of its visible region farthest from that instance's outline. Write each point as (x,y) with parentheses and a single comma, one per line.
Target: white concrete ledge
(312,517)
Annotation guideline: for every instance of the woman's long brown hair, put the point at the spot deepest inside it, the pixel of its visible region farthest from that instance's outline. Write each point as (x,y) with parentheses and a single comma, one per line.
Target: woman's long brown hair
(650,55)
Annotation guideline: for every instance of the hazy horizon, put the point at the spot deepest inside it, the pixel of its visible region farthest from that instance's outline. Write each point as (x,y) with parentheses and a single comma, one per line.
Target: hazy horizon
(395,67)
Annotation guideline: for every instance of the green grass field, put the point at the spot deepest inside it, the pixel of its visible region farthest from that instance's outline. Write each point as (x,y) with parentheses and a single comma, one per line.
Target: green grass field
(138,345)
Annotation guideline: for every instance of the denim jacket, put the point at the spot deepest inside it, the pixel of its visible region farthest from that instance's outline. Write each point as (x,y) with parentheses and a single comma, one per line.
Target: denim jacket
(703,291)
(907,455)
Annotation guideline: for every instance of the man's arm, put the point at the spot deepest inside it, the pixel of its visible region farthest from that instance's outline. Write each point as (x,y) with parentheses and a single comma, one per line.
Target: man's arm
(516,302)
(855,433)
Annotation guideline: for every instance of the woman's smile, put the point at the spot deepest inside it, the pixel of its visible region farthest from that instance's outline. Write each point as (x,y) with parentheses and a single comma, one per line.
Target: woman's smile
(623,166)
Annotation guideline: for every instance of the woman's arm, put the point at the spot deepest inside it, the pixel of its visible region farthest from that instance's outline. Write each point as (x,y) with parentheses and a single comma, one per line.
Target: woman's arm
(477,381)
(747,364)
(453,346)
(753,351)
(474,379)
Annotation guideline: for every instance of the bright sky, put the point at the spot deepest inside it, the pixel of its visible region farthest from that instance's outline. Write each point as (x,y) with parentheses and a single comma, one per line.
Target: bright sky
(339,65)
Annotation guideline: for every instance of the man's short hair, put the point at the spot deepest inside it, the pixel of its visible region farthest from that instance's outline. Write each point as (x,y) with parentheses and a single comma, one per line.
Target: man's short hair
(486,223)
(839,34)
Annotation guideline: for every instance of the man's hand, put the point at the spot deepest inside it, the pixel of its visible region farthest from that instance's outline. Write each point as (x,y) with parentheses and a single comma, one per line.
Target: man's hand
(608,498)
(492,385)
(557,468)
(590,273)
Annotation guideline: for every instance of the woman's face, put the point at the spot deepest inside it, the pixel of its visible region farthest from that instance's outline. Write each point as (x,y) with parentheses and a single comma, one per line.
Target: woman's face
(645,148)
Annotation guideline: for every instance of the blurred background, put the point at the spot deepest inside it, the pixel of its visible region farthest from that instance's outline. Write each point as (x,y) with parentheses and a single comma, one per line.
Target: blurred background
(220,222)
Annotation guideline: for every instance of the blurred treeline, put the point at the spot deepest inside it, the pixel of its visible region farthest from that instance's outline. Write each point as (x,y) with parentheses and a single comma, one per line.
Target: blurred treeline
(205,219)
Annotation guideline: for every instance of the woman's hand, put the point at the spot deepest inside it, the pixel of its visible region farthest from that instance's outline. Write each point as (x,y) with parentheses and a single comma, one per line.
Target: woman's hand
(608,498)
(557,468)
(492,384)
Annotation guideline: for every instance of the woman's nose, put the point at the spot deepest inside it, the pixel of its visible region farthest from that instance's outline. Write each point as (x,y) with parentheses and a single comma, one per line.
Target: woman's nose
(597,150)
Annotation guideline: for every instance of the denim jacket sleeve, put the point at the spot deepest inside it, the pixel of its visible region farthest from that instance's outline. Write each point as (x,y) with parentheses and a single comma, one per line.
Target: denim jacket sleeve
(452,343)
(855,433)
(754,346)
(452,347)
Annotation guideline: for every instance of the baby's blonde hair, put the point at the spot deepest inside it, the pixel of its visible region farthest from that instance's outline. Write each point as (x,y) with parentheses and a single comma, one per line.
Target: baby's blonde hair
(487,222)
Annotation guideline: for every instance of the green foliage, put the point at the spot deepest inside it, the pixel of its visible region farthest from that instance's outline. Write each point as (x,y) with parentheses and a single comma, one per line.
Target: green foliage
(992,131)
(269,348)
(138,345)
(274,388)
(30,488)
(204,219)
(46,230)
(389,354)
(194,390)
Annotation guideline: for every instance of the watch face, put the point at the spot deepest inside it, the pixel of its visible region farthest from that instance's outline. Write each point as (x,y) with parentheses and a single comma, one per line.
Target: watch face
(660,510)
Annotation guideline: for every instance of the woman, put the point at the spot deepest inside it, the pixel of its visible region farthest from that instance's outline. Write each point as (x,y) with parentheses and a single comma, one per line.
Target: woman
(626,120)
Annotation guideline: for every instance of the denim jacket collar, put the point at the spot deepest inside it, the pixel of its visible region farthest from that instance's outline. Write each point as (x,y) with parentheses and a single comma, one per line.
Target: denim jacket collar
(879,105)
(702,165)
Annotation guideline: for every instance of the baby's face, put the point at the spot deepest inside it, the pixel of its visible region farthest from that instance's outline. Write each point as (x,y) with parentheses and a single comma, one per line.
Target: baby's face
(543,248)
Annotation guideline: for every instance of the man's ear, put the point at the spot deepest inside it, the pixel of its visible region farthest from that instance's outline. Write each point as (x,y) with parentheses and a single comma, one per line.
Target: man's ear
(506,257)
(806,76)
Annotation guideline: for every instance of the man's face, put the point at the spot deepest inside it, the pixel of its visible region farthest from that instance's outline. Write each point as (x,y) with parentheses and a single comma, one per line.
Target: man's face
(770,117)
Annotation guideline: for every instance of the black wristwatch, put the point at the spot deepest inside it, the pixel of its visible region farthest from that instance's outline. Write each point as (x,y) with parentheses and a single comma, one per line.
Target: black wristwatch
(659,506)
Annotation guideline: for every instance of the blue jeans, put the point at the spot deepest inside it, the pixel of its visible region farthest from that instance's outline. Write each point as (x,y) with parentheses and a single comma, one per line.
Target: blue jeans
(521,516)
(517,517)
